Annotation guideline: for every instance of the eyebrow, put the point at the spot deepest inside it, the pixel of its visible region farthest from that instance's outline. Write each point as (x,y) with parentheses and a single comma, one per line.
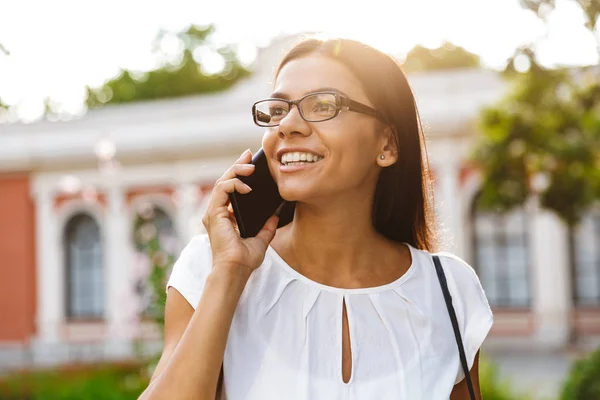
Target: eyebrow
(281,95)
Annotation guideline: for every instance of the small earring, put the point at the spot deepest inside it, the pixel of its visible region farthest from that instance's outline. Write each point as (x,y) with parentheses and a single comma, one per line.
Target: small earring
(382,157)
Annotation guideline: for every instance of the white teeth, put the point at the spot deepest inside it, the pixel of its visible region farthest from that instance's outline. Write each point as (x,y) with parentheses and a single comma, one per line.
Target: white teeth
(303,158)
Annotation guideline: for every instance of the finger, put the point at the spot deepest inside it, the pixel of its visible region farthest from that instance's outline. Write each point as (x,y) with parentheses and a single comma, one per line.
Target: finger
(267,233)
(231,214)
(234,224)
(210,209)
(246,157)
(236,170)
(241,169)
(220,196)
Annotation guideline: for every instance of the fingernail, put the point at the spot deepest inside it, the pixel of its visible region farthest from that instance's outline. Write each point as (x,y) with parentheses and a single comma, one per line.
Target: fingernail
(278,211)
(248,166)
(248,187)
(243,154)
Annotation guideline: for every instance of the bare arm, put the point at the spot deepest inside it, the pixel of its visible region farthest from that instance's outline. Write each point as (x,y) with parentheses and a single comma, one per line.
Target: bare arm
(178,313)
(461,390)
(191,361)
(195,340)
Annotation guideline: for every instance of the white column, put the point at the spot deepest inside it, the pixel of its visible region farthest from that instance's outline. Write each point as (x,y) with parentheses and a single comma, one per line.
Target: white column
(50,274)
(187,203)
(120,300)
(450,209)
(550,278)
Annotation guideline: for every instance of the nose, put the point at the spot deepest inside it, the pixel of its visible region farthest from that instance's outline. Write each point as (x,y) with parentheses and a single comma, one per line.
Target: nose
(293,124)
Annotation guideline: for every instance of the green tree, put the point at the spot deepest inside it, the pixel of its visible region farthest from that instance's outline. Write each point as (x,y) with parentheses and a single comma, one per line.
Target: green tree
(447,56)
(544,138)
(146,237)
(183,77)
(583,381)
(147,240)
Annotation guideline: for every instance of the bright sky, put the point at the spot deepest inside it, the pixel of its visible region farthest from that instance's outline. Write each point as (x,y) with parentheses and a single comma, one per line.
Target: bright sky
(59,46)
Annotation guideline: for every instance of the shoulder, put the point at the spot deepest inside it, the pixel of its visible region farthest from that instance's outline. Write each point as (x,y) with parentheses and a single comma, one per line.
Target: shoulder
(198,245)
(453,265)
(468,296)
(473,311)
(196,257)
(463,282)
(191,269)
(458,270)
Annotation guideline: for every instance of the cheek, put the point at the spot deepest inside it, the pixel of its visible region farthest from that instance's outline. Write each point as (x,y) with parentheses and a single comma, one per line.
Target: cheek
(269,146)
(269,140)
(353,145)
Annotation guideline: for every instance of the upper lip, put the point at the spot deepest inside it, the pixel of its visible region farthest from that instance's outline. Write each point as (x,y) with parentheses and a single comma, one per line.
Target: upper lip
(284,150)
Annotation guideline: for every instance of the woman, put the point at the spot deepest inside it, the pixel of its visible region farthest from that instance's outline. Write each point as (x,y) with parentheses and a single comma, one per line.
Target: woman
(343,302)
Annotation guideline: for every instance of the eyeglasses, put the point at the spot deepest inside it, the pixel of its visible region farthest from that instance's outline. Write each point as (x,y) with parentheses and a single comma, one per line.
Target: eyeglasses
(314,107)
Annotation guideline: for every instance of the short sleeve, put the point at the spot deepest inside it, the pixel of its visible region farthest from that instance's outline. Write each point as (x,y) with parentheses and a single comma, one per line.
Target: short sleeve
(473,312)
(191,269)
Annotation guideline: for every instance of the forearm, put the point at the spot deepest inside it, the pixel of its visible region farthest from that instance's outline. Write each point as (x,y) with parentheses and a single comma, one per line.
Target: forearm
(192,371)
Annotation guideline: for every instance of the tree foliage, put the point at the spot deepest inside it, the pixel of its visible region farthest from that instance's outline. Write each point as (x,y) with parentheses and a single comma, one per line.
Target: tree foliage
(179,75)
(447,56)
(147,240)
(583,381)
(545,136)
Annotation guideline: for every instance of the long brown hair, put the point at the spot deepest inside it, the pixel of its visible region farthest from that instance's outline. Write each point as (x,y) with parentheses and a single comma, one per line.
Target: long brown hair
(403,206)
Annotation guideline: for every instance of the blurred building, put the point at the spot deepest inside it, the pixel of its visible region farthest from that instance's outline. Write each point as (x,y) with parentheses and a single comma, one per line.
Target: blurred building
(70,191)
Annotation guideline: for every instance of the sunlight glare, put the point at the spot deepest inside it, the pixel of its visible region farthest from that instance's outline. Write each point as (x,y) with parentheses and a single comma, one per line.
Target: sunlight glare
(522,63)
(71,60)
(171,45)
(30,110)
(105,149)
(69,184)
(247,53)
(210,61)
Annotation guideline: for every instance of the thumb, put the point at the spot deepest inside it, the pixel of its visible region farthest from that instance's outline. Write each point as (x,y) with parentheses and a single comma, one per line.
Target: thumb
(267,233)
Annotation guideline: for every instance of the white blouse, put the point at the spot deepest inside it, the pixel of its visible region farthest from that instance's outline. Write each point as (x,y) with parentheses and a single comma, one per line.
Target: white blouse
(285,340)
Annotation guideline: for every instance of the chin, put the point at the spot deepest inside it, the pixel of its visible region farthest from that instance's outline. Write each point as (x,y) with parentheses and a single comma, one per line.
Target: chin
(292,193)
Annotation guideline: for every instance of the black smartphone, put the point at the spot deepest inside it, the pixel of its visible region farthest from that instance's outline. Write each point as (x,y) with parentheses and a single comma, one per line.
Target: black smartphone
(252,210)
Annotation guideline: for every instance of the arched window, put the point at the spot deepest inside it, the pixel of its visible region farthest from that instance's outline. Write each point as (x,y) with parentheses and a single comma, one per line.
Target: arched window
(84,268)
(501,256)
(587,260)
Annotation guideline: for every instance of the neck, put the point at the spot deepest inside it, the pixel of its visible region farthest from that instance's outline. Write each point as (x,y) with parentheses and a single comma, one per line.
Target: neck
(334,241)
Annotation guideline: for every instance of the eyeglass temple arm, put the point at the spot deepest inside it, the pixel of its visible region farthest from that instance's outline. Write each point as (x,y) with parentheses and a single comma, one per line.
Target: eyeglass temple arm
(361,108)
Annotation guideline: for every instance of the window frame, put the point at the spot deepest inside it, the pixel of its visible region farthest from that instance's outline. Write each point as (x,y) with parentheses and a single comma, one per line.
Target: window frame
(502,298)
(69,309)
(578,301)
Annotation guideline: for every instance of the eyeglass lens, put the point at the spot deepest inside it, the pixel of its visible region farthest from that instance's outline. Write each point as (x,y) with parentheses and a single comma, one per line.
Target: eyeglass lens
(313,108)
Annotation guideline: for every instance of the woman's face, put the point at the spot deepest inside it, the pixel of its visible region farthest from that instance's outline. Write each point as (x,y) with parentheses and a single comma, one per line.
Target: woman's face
(349,144)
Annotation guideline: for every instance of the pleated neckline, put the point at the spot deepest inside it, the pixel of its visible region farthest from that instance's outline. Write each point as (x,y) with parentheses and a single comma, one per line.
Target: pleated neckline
(280,262)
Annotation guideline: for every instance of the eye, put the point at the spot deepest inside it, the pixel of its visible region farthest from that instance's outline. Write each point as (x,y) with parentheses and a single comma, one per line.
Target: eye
(324,106)
(277,111)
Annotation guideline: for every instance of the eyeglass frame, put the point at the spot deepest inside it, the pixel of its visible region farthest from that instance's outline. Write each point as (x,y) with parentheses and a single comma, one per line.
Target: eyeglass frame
(342,103)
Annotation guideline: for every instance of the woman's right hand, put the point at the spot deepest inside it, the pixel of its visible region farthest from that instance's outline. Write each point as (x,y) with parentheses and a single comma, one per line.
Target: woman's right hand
(229,250)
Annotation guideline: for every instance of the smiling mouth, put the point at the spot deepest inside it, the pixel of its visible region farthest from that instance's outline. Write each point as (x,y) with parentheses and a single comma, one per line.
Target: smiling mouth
(290,159)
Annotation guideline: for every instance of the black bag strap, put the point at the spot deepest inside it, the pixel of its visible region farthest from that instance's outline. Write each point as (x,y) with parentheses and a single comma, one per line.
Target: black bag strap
(448,299)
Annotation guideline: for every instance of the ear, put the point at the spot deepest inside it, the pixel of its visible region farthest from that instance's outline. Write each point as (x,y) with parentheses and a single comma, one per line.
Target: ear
(388,148)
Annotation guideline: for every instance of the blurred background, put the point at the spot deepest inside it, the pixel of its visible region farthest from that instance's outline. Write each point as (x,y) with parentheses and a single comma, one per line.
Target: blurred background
(116,118)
